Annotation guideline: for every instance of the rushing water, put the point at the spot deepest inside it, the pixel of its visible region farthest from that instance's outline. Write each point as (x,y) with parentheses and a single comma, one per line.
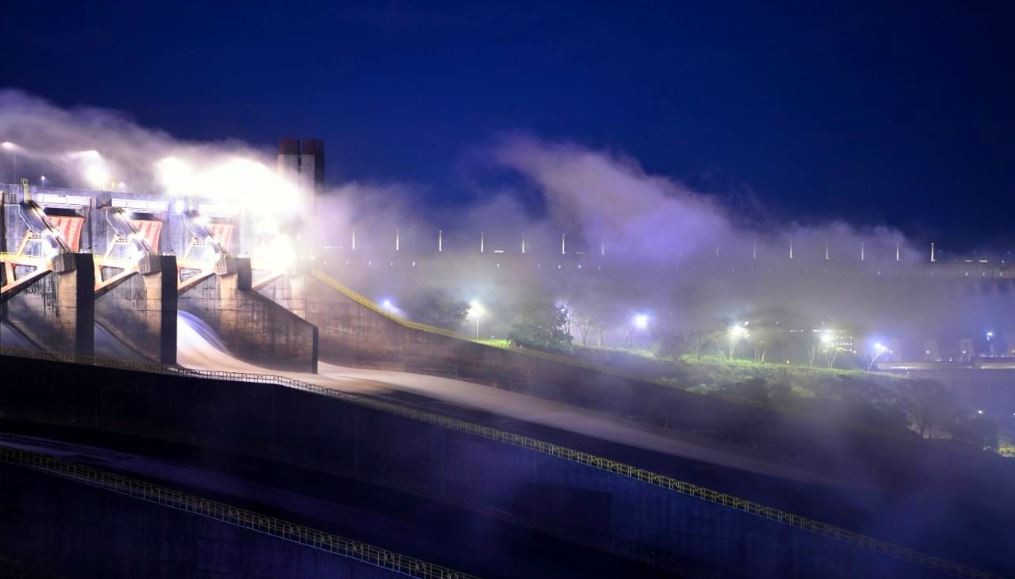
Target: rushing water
(199,346)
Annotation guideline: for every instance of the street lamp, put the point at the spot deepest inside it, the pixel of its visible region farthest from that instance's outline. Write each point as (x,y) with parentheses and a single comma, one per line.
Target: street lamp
(736,333)
(827,339)
(826,346)
(476,311)
(43,179)
(9,146)
(640,321)
(879,349)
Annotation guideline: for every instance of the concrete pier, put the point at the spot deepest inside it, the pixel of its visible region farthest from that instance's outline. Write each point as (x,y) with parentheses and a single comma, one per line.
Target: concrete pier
(140,310)
(56,309)
(251,325)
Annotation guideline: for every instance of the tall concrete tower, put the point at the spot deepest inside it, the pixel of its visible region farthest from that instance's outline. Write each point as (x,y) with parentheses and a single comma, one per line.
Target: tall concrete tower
(303,162)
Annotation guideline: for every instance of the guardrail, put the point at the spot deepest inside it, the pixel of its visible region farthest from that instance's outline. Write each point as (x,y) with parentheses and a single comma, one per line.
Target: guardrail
(235,516)
(600,463)
(372,306)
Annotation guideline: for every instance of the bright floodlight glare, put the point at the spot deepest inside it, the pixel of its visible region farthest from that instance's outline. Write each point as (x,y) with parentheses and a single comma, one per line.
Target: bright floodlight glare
(175,175)
(97,176)
(979,412)
(88,155)
(475,312)
(826,338)
(276,255)
(990,335)
(387,305)
(640,321)
(737,332)
(7,145)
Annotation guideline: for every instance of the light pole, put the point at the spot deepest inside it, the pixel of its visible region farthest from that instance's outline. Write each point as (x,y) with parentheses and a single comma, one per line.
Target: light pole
(879,349)
(43,179)
(9,146)
(828,346)
(990,342)
(640,323)
(476,311)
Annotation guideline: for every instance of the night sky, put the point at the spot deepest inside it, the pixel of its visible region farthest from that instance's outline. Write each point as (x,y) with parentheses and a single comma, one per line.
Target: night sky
(878,113)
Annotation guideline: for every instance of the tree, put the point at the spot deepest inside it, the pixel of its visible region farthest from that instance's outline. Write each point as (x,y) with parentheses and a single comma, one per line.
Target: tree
(830,356)
(698,341)
(437,307)
(585,326)
(580,326)
(929,406)
(541,326)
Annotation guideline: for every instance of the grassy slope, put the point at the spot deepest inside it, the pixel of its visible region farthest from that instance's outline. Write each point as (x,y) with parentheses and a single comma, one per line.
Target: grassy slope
(873,399)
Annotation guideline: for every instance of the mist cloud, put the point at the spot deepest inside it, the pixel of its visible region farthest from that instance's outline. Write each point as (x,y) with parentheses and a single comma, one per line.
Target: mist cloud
(668,247)
(610,199)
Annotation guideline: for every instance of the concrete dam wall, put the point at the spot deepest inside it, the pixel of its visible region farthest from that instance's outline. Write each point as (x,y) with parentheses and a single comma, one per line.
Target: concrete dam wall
(579,503)
(71,530)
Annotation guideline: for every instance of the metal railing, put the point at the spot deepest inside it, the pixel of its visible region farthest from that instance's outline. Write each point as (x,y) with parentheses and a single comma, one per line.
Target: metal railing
(597,462)
(231,515)
(372,306)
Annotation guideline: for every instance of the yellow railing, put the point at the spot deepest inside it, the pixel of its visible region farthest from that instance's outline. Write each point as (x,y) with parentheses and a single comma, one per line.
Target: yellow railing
(547,448)
(20,259)
(372,306)
(229,514)
(109,261)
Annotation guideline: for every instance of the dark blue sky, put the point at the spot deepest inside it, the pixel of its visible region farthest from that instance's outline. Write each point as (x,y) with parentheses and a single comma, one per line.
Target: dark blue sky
(879,113)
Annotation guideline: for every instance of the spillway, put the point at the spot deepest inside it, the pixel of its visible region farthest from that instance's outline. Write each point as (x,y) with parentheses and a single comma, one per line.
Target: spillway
(198,346)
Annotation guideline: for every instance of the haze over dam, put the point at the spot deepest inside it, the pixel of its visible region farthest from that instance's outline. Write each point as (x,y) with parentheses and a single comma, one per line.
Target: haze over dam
(384,289)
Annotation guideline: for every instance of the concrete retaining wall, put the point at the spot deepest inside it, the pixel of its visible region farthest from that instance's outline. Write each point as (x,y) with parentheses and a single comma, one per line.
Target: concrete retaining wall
(72,530)
(576,502)
(57,312)
(141,310)
(252,326)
